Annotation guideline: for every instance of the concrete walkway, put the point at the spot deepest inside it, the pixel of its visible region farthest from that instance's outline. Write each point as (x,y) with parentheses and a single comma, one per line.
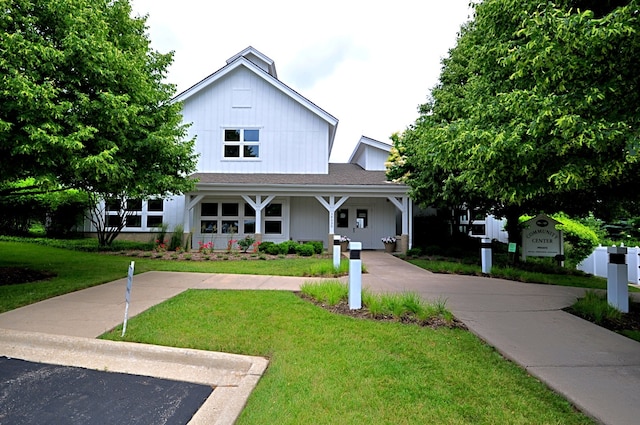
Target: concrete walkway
(597,370)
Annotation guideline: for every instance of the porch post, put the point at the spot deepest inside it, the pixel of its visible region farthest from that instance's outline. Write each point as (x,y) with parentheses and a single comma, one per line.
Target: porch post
(188,219)
(332,206)
(404,206)
(258,205)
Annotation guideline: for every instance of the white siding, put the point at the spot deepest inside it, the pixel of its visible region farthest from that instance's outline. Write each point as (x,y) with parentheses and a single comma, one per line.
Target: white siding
(292,138)
(309,220)
(372,159)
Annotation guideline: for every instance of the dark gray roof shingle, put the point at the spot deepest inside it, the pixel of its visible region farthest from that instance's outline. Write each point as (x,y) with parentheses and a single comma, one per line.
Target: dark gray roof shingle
(339,175)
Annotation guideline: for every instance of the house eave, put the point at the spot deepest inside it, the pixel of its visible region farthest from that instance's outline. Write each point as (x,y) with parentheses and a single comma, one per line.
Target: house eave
(391,189)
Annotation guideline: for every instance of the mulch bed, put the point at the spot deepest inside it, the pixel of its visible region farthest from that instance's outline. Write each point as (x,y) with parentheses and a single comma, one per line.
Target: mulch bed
(363,313)
(16,275)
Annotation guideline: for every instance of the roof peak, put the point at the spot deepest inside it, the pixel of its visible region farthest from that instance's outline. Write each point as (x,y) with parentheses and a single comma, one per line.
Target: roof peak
(258,58)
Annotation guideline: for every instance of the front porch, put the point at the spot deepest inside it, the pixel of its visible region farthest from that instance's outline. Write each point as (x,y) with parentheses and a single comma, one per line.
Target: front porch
(216,218)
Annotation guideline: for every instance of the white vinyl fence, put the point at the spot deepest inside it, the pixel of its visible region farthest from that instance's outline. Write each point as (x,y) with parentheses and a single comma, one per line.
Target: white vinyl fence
(596,263)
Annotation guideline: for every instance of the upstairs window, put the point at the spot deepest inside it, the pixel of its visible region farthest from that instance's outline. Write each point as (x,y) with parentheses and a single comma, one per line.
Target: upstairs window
(241,143)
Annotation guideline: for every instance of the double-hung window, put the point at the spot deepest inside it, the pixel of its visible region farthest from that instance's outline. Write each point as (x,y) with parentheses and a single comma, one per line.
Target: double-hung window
(241,143)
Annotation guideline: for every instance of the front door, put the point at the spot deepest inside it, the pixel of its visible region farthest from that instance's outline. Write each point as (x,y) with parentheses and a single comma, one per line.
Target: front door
(355,222)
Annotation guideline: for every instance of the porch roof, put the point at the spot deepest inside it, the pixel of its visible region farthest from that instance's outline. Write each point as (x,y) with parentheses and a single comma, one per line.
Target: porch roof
(339,175)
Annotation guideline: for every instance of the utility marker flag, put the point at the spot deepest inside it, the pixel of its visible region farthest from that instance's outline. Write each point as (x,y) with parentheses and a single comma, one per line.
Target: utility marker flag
(127,296)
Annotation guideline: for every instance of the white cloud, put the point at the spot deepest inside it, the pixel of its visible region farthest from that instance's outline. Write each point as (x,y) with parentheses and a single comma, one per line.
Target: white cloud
(369,64)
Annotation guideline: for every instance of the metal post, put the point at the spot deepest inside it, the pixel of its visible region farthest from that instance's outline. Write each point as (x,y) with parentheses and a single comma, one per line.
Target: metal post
(127,296)
(485,255)
(336,252)
(617,285)
(355,276)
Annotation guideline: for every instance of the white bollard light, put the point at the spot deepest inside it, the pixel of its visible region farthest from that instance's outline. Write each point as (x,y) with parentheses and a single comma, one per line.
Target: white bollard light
(485,255)
(355,276)
(336,251)
(617,285)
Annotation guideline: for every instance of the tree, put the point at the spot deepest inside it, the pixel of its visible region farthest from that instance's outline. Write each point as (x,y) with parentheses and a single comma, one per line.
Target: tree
(83,103)
(537,109)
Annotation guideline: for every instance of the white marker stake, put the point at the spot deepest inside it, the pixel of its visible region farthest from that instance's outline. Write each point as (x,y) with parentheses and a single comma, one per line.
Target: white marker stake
(355,276)
(127,296)
(336,251)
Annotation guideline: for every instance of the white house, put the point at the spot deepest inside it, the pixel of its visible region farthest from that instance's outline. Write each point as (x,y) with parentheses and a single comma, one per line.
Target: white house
(264,168)
(264,171)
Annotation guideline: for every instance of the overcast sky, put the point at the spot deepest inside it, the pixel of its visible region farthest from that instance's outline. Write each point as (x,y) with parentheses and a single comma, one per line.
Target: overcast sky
(369,64)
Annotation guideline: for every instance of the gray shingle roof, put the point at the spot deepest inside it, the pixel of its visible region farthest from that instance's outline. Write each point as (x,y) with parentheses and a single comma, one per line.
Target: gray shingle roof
(339,175)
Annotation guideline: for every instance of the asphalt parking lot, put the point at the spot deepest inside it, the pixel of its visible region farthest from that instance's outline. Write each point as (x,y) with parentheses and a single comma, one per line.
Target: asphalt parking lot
(38,393)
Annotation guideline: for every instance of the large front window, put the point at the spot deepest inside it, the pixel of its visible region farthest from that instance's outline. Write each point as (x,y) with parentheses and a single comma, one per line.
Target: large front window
(241,143)
(137,214)
(233,217)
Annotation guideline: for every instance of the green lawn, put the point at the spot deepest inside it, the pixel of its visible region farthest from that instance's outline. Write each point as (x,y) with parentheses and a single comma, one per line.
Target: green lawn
(512,273)
(77,270)
(331,369)
(325,368)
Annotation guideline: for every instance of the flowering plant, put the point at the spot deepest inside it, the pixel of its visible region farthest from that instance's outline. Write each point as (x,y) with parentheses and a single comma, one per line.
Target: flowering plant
(205,248)
(344,239)
(160,245)
(389,239)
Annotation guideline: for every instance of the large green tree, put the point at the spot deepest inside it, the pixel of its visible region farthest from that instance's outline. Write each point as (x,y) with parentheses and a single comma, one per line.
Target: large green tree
(83,102)
(537,108)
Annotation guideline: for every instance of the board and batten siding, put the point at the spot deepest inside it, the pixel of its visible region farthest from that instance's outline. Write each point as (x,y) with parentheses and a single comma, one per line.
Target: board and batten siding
(372,159)
(309,220)
(292,138)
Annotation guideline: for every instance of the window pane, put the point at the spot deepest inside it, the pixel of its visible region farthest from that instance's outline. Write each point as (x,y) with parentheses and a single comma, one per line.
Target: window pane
(230,226)
(113,205)
(232,151)
(232,135)
(113,221)
(252,135)
(208,226)
(343,218)
(273,227)
(249,226)
(154,221)
(251,151)
(362,219)
(155,205)
(134,204)
(134,221)
(230,210)
(249,211)
(209,209)
(273,210)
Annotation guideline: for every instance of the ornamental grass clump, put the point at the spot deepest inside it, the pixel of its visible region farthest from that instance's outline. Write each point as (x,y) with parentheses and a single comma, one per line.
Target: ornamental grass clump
(595,307)
(330,292)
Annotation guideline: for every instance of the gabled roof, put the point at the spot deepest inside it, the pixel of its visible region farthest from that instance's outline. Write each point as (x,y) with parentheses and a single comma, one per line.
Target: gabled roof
(367,141)
(263,61)
(265,70)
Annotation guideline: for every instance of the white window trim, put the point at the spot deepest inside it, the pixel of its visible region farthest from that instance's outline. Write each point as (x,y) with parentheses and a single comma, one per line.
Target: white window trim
(242,143)
(143,214)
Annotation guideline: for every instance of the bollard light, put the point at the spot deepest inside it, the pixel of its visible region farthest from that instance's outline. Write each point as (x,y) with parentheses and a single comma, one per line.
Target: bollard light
(336,252)
(617,285)
(355,276)
(485,255)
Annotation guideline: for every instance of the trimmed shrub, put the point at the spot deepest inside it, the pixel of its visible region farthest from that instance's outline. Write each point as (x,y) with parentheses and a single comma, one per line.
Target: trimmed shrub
(264,246)
(318,246)
(414,252)
(305,250)
(288,247)
(579,240)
